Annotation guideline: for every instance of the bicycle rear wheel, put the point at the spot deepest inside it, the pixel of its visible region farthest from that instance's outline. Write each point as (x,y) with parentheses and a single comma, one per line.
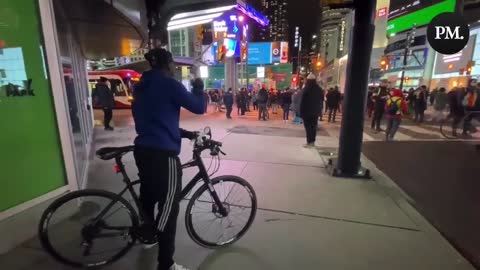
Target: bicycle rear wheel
(72,231)
(450,127)
(206,226)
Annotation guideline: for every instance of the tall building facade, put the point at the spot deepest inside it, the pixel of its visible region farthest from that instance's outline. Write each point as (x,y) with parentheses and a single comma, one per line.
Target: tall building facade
(276,12)
(332,45)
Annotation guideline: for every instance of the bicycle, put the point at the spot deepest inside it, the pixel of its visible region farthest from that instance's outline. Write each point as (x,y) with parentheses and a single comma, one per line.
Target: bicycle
(211,198)
(449,126)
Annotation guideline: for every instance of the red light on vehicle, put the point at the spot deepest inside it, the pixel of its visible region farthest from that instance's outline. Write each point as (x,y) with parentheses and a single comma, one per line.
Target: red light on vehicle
(2,43)
(451,66)
(116,168)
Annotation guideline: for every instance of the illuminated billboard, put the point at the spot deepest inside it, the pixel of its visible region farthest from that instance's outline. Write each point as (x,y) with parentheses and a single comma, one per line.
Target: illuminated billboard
(230,25)
(404,14)
(263,53)
(260,53)
(229,32)
(280,52)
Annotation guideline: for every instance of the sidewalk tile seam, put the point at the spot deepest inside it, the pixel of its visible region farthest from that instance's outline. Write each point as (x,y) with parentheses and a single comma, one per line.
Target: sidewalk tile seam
(340,220)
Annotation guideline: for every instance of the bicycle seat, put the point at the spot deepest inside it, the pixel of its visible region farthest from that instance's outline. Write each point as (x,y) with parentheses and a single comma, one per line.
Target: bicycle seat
(107,153)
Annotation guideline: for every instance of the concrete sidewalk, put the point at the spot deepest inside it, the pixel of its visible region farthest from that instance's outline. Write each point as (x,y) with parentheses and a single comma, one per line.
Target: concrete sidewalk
(306,219)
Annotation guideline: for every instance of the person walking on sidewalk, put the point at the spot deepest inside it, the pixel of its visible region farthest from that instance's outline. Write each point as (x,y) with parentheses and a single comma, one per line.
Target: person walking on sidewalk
(310,109)
(457,111)
(254,100)
(262,99)
(103,97)
(286,101)
(372,92)
(333,101)
(206,99)
(158,98)
(432,96)
(243,101)
(228,101)
(440,104)
(296,99)
(420,103)
(248,96)
(379,100)
(395,107)
(272,101)
(471,103)
(411,101)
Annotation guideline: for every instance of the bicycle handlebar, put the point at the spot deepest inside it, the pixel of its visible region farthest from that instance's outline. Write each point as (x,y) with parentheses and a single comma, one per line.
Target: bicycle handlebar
(202,142)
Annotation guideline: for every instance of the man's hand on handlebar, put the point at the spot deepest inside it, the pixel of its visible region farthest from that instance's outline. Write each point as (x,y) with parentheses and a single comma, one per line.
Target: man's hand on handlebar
(191,135)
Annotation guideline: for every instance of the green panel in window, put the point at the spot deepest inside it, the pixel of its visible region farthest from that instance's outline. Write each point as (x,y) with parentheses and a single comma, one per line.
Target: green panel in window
(31,162)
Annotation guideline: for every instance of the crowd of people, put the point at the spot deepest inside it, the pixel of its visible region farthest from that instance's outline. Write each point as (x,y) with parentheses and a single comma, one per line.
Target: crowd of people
(383,104)
(395,105)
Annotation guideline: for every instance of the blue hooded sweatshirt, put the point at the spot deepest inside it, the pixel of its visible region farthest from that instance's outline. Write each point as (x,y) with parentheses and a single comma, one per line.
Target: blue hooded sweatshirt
(157,100)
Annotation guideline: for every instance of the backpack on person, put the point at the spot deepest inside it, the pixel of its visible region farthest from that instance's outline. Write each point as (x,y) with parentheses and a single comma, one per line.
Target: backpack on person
(470,99)
(393,108)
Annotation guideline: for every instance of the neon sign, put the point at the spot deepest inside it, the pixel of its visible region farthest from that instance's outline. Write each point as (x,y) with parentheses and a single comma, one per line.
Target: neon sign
(220,26)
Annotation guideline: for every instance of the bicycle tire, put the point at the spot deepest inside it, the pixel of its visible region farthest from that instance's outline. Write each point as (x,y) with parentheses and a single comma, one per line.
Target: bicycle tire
(188,215)
(47,214)
(446,130)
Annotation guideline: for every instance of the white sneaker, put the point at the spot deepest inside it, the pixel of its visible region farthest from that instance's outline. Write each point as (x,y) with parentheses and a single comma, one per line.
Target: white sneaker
(309,145)
(178,267)
(149,246)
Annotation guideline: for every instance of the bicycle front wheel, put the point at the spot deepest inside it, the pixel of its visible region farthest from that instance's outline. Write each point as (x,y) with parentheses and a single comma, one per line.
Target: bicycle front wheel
(88,228)
(206,226)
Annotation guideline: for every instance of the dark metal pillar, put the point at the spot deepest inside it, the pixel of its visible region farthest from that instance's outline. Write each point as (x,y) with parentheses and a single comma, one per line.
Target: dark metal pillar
(358,66)
(460,6)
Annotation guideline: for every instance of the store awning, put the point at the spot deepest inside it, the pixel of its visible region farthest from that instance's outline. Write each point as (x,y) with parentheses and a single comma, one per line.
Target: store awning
(141,66)
(105,28)
(185,13)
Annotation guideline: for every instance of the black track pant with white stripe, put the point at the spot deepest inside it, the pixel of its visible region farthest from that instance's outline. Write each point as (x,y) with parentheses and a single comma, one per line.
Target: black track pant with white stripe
(161,183)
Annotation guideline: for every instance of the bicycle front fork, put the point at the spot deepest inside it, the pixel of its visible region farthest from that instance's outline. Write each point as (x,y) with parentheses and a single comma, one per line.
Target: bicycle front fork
(218,207)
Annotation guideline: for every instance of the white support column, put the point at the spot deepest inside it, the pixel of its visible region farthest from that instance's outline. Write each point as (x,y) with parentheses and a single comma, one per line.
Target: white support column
(57,83)
(231,74)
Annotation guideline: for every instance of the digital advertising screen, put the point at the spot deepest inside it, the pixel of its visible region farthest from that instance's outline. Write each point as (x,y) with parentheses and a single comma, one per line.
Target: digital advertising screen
(405,14)
(232,25)
(259,53)
(280,52)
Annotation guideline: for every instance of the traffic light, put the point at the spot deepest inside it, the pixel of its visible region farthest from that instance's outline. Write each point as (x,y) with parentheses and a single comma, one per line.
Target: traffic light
(470,67)
(384,62)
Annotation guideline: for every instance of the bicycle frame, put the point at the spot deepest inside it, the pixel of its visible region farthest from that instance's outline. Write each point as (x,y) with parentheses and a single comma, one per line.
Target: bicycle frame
(195,162)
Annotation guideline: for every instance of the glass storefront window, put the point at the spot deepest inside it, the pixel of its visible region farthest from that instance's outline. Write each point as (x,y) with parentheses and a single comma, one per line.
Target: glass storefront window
(76,89)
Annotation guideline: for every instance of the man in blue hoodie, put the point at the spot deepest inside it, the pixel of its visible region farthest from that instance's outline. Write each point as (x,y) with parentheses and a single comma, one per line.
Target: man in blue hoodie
(158,98)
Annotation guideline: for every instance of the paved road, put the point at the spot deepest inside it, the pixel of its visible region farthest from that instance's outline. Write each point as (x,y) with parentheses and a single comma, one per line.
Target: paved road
(443,179)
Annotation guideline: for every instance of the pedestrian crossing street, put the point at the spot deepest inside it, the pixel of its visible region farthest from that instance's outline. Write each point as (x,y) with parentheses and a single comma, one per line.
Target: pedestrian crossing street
(408,131)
